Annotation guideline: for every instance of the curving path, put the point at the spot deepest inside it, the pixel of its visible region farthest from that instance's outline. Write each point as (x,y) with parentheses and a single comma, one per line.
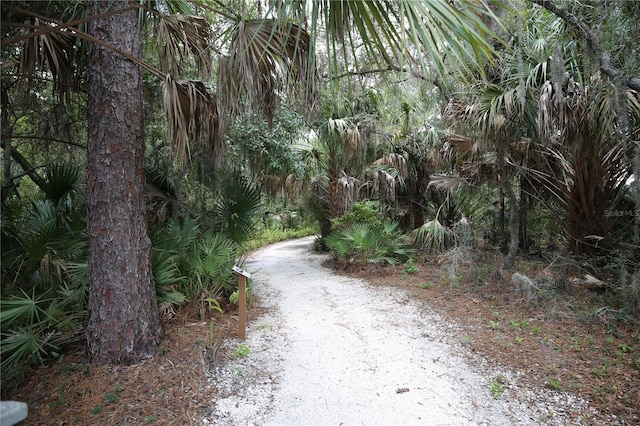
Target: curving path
(332,350)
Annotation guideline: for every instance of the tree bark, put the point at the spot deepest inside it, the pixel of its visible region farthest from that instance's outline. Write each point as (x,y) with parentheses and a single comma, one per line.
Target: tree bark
(123,322)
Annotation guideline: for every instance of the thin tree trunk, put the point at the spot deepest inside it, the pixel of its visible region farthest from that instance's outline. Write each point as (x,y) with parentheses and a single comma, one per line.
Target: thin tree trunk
(5,136)
(123,325)
(525,202)
(501,192)
(501,218)
(514,217)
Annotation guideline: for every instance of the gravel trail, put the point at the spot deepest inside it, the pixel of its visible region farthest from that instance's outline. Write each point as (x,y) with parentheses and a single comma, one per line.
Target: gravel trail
(332,350)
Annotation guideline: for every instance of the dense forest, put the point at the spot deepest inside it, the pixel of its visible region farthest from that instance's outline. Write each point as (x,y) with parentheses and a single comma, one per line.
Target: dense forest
(148,146)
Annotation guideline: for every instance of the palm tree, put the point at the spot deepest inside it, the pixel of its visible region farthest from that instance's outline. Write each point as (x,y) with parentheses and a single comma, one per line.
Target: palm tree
(498,122)
(587,161)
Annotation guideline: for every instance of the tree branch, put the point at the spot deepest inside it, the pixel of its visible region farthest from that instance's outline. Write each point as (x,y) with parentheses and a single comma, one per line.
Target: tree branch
(592,39)
(435,80)
(24,163)
(42,138)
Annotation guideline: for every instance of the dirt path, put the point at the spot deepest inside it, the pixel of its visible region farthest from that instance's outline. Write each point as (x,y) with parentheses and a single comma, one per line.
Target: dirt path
(331,350)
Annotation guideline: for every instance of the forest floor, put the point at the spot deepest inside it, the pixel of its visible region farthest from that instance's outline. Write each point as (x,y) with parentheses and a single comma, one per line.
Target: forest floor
(565,339)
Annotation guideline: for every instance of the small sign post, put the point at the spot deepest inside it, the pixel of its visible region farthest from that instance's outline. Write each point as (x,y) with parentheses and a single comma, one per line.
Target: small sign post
(242,300)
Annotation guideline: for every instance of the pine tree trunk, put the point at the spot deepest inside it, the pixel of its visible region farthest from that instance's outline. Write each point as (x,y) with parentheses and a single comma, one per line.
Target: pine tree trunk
(123,325)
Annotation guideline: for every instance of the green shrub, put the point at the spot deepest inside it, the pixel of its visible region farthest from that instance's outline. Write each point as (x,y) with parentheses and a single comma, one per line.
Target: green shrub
(367,243)
(362,212)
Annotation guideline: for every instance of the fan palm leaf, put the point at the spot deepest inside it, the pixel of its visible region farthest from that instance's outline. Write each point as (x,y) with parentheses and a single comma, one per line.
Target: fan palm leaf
(25,343)
(238,204)
(180,37)
(265,57)
(191,114)
(62,180)
(53,52)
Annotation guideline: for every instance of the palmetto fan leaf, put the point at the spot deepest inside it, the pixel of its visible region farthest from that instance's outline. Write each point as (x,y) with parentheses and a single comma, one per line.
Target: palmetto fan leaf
(28,343)
(191,114)
(237,206)
(62,179)
(432,236)
(53,52)
(440,26)
(265,57)
(181,36)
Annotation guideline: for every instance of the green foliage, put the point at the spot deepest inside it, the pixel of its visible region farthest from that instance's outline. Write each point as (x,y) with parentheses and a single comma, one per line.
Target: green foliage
(410,267)
(497,385)
(268,151)
(60,402)
(211,265)
(267,236)
(317,202)
(554,383)
(42,238)
(29,324)
(62,183)
(214,339)
(362,212)
(25,344)
(235,296)
(367,243)
(111,397)
(238,204)
(171,251)
(22,309)
(432,236)
(241,351)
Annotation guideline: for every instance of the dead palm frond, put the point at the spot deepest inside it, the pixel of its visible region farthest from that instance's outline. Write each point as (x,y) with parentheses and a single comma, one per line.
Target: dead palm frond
(48,52)
(180,36)
(381,185)
(266,59)
(462,144)
(347,193)
(292,188)
(191,114)
(395,161)
(351,139)
(446,183)
(342,141)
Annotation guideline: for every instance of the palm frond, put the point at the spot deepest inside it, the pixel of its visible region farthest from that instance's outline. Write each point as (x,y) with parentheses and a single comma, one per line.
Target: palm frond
(27,309)
(25,344)
(432,236)
(182,37)
(237,206)
(439,26)
(266,58)
(395,161)
(61,180)
(48,52)
(192,115)
(446,182)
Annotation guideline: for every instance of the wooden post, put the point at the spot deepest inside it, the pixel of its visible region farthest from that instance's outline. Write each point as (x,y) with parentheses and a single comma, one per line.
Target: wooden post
(242,306)
(242,301)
